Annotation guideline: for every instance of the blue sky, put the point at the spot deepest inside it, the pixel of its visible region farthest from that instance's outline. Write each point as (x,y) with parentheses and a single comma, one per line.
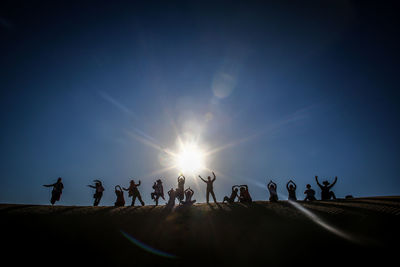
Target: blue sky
(288,91)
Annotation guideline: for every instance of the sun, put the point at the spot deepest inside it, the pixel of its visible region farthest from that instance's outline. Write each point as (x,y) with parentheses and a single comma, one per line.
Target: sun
(190,159)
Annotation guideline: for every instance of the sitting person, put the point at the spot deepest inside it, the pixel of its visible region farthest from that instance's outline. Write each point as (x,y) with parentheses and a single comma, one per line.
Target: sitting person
(326,193)
(310,193)
(233,196)
(189,194)
(291,188)
(244,196)
(272,191)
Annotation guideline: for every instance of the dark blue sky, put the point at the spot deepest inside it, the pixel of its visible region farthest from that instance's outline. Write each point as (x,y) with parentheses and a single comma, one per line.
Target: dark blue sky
(288,89)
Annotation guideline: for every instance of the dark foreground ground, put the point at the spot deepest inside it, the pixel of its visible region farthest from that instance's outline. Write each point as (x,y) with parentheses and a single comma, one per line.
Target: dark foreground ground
(330,233)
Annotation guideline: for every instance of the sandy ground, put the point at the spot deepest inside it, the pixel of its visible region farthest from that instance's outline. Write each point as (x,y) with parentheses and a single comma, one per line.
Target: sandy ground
(327,233)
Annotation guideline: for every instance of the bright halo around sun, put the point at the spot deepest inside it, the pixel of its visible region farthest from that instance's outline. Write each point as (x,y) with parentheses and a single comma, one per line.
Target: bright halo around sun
(190,159)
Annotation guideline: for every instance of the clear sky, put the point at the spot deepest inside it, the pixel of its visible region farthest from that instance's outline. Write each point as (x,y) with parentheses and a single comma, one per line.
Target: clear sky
(280,90)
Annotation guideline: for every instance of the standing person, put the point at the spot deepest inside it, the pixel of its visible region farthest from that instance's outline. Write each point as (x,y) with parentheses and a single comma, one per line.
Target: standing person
(234,194)
(57,190)
(326,194)
(171,200)
(291,188)
(99,192)
(180,191)
(310,193)
(273,195)
(120,196)
(158,191)
(210,189)
(189,194)
(134,192)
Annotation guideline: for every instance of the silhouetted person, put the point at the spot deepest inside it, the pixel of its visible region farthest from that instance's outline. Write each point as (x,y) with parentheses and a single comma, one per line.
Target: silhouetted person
(158,191)
(57,190)
(244,196)
(120,196)
(233,196)
(310,193)
(189,194)
(99,192)
(134,192)
(291,188)
(326,194)
(273,195)
(181,188)
(171,200)
(210,189)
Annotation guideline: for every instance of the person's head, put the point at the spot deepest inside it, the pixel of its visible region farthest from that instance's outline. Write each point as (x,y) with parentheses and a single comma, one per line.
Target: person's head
(235,189)
(209,178)
(291,187)
(132,181)
(326,183)
(59,179)
(308,186)
(159,181)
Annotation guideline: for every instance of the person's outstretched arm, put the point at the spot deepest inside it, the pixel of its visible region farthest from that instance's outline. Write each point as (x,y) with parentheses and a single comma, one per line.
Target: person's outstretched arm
(49,185)
(203,179)
(126,189)
(92,186)
(295,186)
(316,179)
(287,185)
(214,176)
(334,182)
(139,183)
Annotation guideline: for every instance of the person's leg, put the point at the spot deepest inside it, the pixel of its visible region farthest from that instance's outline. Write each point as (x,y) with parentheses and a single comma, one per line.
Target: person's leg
(133,200)
(213,195)
(207,196)
(332,195)
(225,199)
(156,199)
(140,199)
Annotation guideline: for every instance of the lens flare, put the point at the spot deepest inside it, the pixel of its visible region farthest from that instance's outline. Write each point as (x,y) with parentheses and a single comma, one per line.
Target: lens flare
(190,159)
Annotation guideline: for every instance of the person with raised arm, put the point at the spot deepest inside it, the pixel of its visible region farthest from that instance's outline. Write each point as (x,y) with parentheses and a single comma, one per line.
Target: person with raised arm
(180,191)
(120,197)
(233,196)
(189,194)
(98,193)
(210,188)
(291,188)
(273,195)
(244,196)
(57,190)
(158,191)
(134,192)
(171,200)
(326,193)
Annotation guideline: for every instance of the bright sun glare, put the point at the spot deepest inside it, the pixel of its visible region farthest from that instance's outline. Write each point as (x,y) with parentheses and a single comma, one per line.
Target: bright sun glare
(190,159)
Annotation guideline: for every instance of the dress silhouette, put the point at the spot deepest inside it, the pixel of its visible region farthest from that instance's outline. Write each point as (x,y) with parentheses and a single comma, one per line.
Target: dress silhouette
(57,190)
(181,188)
(120,196)
(158,191)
